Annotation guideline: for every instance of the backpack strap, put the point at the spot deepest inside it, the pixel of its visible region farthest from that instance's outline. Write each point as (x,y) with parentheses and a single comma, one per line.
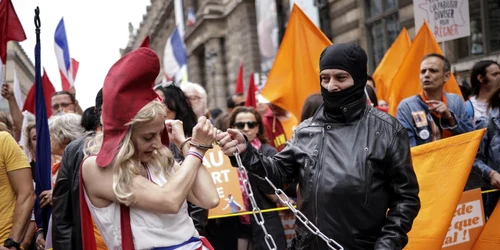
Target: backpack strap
(88,237)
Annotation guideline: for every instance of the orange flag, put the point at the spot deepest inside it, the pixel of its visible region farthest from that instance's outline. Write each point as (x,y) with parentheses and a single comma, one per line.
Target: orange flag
(295,72)
(442,169)
(490,236)
(406,82)
(388,67)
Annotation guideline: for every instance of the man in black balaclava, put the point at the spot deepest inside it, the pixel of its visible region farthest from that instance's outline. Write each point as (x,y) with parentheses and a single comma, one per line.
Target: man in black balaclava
(353,163)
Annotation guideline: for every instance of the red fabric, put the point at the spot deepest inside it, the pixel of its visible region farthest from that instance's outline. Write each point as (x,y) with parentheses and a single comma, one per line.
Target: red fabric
(48,91)
(145,42)
(10,28)
(240,89)
(127,238)
(74,69)
(273,129)
(206,244)
(128,87)
(251,99)
(88,236)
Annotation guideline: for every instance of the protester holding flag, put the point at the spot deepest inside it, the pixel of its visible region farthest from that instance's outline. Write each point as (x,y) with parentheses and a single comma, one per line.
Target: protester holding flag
(352,160)
(488,156)
(125,186)
(14,109)
(433,114)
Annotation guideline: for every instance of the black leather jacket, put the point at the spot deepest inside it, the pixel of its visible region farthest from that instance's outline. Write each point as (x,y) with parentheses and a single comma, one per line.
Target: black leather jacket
(66,231)
(350,173)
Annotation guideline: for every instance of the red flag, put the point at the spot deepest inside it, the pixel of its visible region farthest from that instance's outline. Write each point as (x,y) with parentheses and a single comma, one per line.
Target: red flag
(251,100)
(10,27)
(145,42)
(48,91)
(74,69)
(240,89)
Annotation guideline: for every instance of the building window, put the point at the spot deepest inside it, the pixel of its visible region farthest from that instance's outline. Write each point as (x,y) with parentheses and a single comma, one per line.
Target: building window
(484,30)
(383,27)
(473,44)
(325,22)
(494,24)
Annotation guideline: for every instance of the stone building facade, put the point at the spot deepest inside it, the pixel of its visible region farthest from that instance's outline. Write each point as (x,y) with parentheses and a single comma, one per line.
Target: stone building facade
(225,34)
(18,62)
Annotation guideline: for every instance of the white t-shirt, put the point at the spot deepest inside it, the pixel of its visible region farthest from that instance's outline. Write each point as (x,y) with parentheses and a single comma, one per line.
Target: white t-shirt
(480,108)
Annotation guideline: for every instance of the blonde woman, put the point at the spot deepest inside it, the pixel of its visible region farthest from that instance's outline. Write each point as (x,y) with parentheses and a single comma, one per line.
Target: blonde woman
(132,187)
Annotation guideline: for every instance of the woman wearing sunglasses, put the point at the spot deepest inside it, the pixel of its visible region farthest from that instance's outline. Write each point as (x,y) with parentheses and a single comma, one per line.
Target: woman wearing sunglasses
(249,122)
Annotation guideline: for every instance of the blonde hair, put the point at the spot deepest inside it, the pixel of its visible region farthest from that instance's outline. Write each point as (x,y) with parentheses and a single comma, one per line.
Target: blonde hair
(123,165)
(28,148)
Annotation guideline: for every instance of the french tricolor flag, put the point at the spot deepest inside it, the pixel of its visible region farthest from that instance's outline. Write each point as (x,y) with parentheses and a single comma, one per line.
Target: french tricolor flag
(175,58)
(68,67)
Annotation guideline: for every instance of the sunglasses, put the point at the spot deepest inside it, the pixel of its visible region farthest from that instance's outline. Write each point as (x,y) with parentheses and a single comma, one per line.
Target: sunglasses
(241,125)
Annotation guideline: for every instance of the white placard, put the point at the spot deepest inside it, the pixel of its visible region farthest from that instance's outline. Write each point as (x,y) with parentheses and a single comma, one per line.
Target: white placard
(447,19)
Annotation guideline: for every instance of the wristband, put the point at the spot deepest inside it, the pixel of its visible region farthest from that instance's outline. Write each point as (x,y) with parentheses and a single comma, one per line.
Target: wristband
(195,154)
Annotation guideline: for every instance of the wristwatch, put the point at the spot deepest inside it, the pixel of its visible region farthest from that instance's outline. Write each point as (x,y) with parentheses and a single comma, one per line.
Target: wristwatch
(11,243)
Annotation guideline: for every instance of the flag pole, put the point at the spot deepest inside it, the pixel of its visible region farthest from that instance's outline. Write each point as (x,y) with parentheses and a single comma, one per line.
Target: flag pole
(43,174)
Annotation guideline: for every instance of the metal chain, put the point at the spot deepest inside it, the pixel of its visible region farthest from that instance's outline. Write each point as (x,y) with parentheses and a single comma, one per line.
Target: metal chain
(257,213)
(260,220)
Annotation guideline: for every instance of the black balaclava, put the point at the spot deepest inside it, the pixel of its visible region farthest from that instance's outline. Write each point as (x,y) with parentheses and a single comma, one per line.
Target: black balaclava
(351,58)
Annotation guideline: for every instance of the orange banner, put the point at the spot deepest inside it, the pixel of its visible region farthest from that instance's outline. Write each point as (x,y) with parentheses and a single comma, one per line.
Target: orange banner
(490,236)
(442,168)
(226,181)
(467,223)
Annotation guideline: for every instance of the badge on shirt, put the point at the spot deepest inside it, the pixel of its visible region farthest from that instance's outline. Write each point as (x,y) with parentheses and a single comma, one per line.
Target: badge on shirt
(420,119)
(424,134)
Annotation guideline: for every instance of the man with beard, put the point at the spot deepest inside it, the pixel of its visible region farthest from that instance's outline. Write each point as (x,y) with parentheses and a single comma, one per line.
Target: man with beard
(353,163)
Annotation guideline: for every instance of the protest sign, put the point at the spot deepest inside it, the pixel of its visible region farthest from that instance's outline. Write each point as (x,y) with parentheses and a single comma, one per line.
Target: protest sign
(226,181)
(467,223)
(448,19)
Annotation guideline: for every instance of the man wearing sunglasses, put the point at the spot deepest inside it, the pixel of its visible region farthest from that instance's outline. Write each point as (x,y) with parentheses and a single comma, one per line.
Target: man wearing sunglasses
(352,161)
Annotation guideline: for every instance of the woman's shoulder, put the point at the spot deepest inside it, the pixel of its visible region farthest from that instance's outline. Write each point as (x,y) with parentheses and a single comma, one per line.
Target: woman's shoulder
(91,170)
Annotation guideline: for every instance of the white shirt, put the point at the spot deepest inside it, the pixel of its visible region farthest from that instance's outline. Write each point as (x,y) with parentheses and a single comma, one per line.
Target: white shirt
(149,229)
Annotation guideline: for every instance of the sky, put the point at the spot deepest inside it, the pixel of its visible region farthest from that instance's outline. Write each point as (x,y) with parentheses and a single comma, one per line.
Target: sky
(96,30)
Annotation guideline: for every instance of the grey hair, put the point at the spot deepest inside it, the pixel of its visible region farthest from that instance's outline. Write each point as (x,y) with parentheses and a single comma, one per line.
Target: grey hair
(64,128)
(197,87)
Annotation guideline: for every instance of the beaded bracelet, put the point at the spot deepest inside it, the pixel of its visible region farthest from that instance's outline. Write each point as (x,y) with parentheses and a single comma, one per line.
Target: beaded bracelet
(195,154)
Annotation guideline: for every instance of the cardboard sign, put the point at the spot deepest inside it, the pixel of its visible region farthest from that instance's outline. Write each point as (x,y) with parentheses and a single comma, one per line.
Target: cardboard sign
(467,223)
(226,181)
(448,19)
